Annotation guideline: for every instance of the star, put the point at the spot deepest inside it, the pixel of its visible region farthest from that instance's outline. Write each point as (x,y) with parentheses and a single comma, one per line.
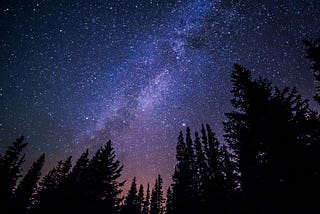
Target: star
(78,73)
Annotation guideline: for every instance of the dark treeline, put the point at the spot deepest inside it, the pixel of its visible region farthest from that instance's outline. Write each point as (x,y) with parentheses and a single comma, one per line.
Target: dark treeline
(269,163)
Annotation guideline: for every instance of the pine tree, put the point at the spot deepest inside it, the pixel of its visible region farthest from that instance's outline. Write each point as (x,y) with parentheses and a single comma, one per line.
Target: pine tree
(294,132)
(146,205)
(268,130)
(72,192)
(131,203)
(156,206)
(230,197)
(10,168)
(230,178)
(201,165)
(102,183)
(213,155)
(214,193)
(24,194)
(50,195)
(250,100)
(140,198)
(185,185)
(201,179)
(180,178)
(79,169)
(204,139)
(190,157)
(313,54)
(56,176)
(169,202)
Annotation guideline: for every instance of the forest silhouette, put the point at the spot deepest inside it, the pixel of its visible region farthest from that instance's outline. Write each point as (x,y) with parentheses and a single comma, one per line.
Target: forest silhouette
(269,163)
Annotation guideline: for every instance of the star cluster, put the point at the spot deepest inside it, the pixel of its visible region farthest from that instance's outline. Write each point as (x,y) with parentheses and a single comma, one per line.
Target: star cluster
(77,73)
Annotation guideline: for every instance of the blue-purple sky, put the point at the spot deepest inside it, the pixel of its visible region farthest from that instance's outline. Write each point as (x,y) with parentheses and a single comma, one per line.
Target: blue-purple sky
(75,74)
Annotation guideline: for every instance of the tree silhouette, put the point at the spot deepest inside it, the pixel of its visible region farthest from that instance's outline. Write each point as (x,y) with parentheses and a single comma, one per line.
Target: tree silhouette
(146,205)
(214,189)
(169,202)
(199,177)
(230,178)
(250,98)
(50,195)
(185,187)
(91,186)
(73,194)
(156,206)
(141,198)
(132,202)
(200,165)
(10,168)
(268,131)
(102,183)
(25,191)
(80,167)
(313,54)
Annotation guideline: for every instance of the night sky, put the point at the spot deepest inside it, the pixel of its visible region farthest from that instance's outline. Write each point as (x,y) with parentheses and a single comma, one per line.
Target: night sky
(77,73)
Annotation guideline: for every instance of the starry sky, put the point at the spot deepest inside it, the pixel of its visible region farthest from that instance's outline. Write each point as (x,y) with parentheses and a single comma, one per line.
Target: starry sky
(76,73)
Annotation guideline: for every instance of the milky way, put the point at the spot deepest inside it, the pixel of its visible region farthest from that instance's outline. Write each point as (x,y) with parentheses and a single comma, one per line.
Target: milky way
(77,73)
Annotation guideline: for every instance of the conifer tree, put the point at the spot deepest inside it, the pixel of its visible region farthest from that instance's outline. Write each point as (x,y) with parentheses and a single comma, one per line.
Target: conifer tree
(131,203)
(50,196)
(10,168)
(201,165)
(72,192)
(156,206)
(78,171)
(56,176)
(185,185)
(102,183)
(146,205)
(268,130)
(24,193)
(313,54)
(250,100)
(230,179)
(140,198)
(213,177)
(169,202)
(213,155)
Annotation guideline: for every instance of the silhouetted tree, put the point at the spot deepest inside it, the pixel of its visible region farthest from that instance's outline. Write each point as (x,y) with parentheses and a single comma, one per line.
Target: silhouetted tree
(131,203)
(56,176)
(231,201)
(25,191)
(214,189)
(185,186)
(293,131)
(146,205)
(50,195)
(92,186)
(102,183)
(140,198)
(169,202)
(313,54)
(230,178)
(10,168)
(269,129)
(71,193)
(200,164)
(249,100)
(79,169)
(156,206)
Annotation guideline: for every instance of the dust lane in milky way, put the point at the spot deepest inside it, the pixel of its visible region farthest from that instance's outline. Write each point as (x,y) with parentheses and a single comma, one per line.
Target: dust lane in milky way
(77,73)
